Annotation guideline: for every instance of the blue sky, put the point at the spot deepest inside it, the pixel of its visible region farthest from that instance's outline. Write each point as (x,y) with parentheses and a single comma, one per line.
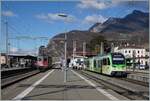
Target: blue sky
(40,18)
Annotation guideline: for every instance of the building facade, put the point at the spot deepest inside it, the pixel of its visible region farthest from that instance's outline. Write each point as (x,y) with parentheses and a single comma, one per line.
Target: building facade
(2,59)
(141,55)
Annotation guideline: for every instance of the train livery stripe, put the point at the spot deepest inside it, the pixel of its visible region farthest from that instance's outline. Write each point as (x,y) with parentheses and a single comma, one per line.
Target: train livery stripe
(28,90)
(111,97)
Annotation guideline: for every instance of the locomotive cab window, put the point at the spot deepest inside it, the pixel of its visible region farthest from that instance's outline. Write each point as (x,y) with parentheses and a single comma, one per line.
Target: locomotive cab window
(45,59)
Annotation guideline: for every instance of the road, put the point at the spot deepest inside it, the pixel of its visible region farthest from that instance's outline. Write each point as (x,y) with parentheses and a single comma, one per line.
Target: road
(49,85)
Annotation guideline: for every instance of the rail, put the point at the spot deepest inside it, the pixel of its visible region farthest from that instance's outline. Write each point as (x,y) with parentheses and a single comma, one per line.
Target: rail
(117,87)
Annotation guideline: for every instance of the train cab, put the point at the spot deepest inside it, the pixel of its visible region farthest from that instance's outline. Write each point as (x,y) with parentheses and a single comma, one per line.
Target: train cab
(42,63)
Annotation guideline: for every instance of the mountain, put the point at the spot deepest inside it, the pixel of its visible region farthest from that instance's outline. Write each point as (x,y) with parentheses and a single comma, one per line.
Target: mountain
(134,24)
(56,45)
(133,28)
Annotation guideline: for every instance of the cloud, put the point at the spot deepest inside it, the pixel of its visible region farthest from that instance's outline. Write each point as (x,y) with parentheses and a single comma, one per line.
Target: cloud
(91,19)
(94,4)
(14,49)
(51,17)
(8,13)
(102,4)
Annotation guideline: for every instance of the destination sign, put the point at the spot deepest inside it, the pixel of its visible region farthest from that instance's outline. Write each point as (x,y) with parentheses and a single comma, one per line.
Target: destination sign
(118,58)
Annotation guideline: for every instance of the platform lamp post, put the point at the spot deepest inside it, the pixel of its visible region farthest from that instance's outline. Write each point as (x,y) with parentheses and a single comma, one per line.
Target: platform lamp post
(65,69)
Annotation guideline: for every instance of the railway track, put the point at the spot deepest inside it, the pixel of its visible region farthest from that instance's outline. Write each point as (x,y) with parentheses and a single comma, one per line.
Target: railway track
(127,79)
(135,81)
(7,81)
(129,93)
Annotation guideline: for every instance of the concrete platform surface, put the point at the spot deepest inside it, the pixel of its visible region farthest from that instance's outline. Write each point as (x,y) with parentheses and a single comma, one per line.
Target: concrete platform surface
(50,86)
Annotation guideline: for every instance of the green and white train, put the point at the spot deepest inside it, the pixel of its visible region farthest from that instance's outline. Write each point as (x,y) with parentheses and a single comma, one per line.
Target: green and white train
(113,64)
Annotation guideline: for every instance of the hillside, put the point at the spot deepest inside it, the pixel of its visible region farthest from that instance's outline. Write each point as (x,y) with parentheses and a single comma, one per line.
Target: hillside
(132,25)
(133,28)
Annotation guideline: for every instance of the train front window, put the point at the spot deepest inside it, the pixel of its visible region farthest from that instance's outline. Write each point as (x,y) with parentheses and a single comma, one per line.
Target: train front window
(45,59)
(118,59)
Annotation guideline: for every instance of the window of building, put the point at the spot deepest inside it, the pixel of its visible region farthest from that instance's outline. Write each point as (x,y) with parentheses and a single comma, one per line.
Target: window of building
(129,51)
(125,51)
(138,51)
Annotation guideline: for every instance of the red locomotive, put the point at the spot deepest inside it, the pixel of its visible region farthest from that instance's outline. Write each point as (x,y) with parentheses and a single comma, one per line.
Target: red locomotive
(44,63)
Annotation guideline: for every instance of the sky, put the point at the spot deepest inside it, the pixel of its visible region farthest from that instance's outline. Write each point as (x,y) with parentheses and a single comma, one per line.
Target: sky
(40,20)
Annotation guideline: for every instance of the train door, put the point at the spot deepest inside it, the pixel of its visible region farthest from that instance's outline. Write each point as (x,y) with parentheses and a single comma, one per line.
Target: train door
(106,66)
(94,65)
(91,64)
(97,67)
(87,64)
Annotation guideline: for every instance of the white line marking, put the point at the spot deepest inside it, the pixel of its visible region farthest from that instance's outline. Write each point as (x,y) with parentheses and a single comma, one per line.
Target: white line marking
(97,88)
(28,90)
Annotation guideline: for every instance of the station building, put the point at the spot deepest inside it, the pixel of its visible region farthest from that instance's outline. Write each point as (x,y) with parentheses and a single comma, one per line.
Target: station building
(140,54)
(17,60)
(2,58)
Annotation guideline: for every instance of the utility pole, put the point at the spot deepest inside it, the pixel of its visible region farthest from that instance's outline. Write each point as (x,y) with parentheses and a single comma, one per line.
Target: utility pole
(102,48)
(18,44)
(65,71)
(74,48)
(7,44)
(112,47)
(84,49)
(133,60)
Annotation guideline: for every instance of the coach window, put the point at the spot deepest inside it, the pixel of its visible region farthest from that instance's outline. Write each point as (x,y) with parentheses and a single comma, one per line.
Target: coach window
(94,63)
(99,63)
(108,62)
(104,61)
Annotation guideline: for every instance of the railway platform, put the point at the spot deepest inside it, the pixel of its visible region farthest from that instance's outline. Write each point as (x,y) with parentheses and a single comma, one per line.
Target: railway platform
(14,68)
(50,85)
